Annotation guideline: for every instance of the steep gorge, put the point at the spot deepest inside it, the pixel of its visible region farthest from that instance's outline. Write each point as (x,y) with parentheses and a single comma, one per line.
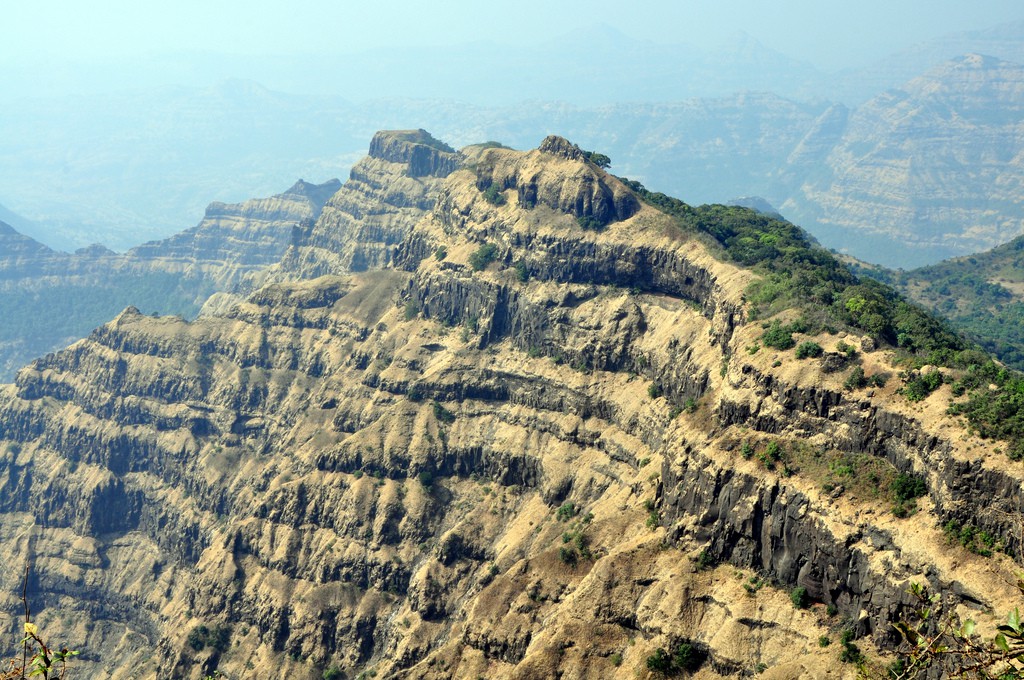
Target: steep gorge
(399,456)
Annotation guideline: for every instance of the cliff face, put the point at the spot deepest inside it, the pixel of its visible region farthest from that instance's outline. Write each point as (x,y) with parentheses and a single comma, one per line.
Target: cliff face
(233,241)
(52,298)
(499,456)
(935,165)
(385,195)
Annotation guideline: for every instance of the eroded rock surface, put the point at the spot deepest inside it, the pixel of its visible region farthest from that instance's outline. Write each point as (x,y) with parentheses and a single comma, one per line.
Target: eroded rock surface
(433,469)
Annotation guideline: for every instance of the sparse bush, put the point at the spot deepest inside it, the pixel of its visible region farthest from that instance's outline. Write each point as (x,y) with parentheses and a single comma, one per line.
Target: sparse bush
(809,350)
(218,637)
(824,641)
(659,662)
(849,350)
(653,519)
(598,159)
(878,379)
(483,256)
(705,561)
(442,414)
(687,657)
(908,487)
(746,450)
(493,195)
(851,654)
(918,386)
(855,380)
(566,511)
(197,637)
(778,337)
(799,597)
(654,390)
(441,253)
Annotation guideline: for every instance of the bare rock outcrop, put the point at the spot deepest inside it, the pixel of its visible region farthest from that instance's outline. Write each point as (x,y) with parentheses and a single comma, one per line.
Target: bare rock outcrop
(451,465)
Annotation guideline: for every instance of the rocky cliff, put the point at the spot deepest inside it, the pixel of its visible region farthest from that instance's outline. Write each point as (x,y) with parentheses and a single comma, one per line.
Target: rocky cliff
(934,165)
(385,195)
(537,437)
(51,298)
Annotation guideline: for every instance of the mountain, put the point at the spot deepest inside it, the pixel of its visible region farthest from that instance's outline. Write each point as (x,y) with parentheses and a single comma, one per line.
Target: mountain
(52,298)
(252,141)
(981,294)
(555,425)
(855,86)
(931,170)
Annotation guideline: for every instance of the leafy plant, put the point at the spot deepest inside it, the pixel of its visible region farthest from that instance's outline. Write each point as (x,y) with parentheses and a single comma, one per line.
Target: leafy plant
(483,256)
(808,350)
(493,195)
(935,639)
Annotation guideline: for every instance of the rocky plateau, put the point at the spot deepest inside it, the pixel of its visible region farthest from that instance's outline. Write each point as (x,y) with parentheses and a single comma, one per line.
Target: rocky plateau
(485,418)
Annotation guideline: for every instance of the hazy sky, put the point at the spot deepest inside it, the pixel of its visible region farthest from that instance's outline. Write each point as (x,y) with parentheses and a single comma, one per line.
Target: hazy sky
(828,33)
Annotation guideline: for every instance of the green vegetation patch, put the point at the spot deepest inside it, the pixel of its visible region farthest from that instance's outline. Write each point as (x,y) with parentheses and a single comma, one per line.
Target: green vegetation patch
(493,195)
(483,256)
(797,273)
(993,404)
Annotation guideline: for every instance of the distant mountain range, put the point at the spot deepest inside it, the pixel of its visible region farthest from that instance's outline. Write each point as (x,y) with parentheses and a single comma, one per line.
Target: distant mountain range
(930,167)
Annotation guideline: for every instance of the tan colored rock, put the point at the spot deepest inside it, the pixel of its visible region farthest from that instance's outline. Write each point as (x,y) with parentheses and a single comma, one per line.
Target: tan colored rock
(434,472)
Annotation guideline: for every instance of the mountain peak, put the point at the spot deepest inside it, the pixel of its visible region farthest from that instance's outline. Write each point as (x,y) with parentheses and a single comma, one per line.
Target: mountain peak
(418,149)
(561,147)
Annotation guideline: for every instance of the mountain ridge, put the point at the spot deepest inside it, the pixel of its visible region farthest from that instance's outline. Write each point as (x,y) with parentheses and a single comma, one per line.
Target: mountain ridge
(522,431)
(77,291)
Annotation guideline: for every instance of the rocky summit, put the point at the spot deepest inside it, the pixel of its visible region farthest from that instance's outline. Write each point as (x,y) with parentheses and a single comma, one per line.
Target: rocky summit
(493,415)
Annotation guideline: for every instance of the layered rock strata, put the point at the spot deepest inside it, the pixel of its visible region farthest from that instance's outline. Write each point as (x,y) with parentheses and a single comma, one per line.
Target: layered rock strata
(519,465)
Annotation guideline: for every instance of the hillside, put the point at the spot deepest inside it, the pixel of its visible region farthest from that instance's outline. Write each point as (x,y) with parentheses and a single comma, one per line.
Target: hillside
(981,294)
(927,171)
(556,423)
(51,298)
